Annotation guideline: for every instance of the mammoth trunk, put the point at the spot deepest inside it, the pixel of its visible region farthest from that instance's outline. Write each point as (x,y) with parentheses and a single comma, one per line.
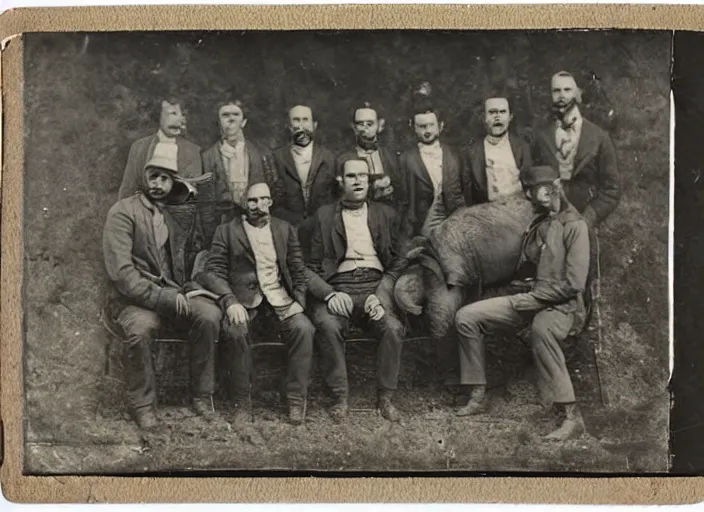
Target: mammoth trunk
(442,304)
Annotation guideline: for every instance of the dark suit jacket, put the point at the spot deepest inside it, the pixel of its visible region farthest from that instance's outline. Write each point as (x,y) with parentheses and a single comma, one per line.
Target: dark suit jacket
(261,169)
(389,160)
(133,180)
(475,188)
(329,245)
(289,203)
(231,254)
(420,186)
(595,187)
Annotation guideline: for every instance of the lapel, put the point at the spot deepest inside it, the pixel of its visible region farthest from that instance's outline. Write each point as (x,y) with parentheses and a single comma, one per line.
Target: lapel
(289,164)
(278,235)
(149,222)
(516,150)
(445,163)
(316,160)
(419,168)
(182,159)
(478,159)
(219,165)
(547,135)
(586,148)
(150,149)
(387,160)
(339,236)
(241,235)
(373,223)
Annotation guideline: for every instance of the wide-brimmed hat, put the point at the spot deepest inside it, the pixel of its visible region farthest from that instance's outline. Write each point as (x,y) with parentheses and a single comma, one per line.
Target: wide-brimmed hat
(165,157)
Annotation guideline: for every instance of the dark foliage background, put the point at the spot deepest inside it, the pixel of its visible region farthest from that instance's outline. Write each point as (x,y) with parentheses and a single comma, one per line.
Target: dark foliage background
(88,96)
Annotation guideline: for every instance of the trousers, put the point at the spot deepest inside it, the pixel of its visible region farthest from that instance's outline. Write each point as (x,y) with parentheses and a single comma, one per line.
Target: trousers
(549,329)
(332,330)
(141,327)
(298,333)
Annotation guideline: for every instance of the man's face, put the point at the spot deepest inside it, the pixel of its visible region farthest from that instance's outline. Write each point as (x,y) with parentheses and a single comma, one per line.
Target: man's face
(543,196)
(366,124)
(427,127)
(231,120)
(497,116)
(301,125)
(564,92)
(172,119)
(355,180)
(159,183)
(258,201)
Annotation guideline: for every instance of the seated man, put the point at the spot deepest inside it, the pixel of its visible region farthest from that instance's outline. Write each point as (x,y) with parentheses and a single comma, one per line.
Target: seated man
(556,247)
(144,251)
(268,248)
(357,252)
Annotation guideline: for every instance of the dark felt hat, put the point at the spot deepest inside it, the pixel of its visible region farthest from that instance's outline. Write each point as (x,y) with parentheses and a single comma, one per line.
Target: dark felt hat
(538,175)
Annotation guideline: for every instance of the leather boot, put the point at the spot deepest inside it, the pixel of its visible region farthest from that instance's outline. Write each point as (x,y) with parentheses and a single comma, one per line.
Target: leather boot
(476,404)
(340,409)
(386,407)
(145,418)
(572,427)
(297,412)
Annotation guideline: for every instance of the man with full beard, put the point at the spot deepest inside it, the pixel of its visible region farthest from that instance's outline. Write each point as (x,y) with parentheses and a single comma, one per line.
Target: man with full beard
(555,251)
(433,170)
(236,162)
(386,182)
(306,175)
(494,162)
(583,153)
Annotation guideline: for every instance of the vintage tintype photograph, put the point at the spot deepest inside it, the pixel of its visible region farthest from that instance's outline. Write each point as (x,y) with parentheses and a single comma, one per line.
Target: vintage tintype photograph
(346,251)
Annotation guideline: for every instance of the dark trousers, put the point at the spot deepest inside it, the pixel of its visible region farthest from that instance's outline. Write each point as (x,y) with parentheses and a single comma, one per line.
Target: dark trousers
(298,333)
(549,328)
(141,326)
(332,330)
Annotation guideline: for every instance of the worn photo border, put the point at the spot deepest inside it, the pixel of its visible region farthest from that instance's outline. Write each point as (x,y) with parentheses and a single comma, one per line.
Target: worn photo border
(50,489)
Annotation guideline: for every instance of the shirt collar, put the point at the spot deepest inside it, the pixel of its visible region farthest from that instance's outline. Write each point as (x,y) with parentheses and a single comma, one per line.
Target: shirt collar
(162,137)
(299,151)
(429,148)
(497,141)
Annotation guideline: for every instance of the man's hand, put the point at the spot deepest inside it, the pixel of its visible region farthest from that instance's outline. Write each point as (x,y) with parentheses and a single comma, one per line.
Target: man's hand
(182,306)
(237,314)
(373,307)
(340,304)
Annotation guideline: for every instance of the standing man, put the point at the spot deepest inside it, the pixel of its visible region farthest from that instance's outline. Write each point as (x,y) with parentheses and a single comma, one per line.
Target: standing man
(432,169)
(236,163)
(494,162)
(386,182)
(556,252)
(144,248)
(171,123)
(581,151)
(267,247)
(306,175)
(356,252)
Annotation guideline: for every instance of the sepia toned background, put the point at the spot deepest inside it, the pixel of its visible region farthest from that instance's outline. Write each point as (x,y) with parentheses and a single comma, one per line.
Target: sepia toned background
(87,97)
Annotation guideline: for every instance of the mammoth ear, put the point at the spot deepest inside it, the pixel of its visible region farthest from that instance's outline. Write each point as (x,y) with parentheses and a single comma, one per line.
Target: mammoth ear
(408,291)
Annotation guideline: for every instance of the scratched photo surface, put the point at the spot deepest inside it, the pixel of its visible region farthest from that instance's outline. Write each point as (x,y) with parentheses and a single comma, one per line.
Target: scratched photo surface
(348,251)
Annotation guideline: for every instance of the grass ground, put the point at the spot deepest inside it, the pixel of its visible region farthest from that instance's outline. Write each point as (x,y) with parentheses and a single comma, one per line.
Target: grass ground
(87,98)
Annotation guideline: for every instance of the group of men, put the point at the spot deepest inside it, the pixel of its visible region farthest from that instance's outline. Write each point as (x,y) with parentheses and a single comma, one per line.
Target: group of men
(325,238)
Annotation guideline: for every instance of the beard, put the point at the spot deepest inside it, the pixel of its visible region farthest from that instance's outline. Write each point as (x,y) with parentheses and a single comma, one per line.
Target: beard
(257,217)
(302,137)
(367,143)
(429,140)
(559,109)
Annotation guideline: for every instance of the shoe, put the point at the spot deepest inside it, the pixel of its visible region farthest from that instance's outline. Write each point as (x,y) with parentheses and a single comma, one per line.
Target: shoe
(296,414)
(386,407)
(339,410)
(203,406)
(476,404)
(572,427)
(145,418)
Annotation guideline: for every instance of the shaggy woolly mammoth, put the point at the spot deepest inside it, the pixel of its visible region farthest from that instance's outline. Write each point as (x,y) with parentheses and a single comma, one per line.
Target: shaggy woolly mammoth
(474,248)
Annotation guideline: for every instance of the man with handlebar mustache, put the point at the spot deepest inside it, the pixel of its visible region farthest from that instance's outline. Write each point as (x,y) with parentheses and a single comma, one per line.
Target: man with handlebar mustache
(581,151)
(306,175)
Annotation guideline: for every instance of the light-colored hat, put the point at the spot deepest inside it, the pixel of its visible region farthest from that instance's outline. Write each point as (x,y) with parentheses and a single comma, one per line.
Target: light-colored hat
(165,157)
